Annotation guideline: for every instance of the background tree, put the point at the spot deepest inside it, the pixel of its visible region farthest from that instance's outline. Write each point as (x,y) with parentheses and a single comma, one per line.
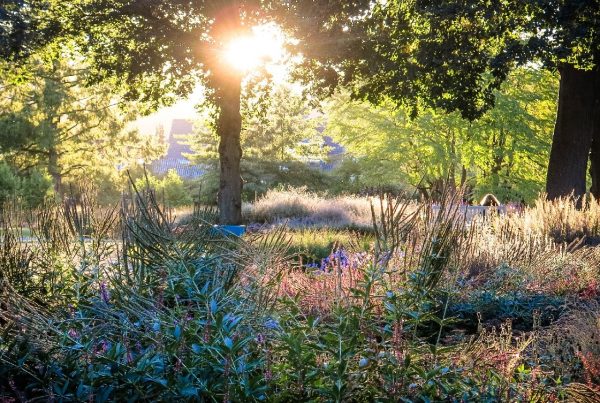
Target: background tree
(454,54)
(54,123)
(160,51)
(170,189)
(504,152)
(511,142)
(280,136)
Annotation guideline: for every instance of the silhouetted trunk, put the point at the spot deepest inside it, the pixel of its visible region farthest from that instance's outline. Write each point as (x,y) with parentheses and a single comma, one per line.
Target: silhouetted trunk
(463,176)
(54,170)
(226,82)
(229,127)
(595,151)
(572,134)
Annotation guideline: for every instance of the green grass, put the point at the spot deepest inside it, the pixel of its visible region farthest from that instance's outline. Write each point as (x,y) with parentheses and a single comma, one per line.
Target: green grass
(24,232)
(312,245)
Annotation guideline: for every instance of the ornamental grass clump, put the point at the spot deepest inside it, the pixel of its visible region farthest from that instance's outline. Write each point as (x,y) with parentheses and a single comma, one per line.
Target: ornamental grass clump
(298,208)
(164,313)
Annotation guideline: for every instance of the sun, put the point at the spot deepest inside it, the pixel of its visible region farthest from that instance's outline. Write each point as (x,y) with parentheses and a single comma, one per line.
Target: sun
(263,46)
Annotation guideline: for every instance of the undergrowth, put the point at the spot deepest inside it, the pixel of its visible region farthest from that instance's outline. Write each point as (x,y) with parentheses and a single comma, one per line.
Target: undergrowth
(130,303)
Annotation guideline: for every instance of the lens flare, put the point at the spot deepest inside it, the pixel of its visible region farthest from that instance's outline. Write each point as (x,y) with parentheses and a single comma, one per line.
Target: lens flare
(264,45)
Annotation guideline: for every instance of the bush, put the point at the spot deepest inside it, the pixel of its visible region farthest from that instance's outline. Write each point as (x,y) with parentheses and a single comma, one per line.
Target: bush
(9,183)
(35,189)
(32,188)
(300,208)
(172,320)
(170,190)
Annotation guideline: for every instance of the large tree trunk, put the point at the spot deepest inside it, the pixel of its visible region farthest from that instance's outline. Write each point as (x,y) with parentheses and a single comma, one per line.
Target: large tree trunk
(229,127)
(226,82)
(572,135)
(595,153)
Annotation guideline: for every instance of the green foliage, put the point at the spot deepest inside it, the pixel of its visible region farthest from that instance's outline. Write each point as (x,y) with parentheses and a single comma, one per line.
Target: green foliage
(503,153)
(35,189)
(511,142)
(448,54)
(174,191)
(9,183)
(170,189)
(279,139)
(77,134)
(261,175)
(31,189)
(170,323)
(209,186)
(283,130)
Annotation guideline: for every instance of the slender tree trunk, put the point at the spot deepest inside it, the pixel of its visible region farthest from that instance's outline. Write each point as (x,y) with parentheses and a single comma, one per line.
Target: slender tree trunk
(572,135)
(595,152)
(54,170)
(463,175)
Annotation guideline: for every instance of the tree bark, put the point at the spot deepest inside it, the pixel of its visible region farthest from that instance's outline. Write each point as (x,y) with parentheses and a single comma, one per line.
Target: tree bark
(595,151)
(229,127)
(572,135)
(54,170)
(226,83)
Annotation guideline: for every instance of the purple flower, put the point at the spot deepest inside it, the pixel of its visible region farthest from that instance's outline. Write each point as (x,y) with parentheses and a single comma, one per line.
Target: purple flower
(104,294)
(272,324)
(102,347)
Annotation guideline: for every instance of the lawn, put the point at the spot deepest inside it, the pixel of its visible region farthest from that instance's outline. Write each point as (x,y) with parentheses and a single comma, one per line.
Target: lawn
(23,232)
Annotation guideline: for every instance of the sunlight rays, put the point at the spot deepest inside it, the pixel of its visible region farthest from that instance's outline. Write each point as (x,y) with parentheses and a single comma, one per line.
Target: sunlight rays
(264,46)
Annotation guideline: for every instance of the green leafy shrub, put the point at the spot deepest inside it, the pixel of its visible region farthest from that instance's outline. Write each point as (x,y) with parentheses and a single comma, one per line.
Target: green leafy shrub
(32,189)
(170,321)
(170,189)
(35,188)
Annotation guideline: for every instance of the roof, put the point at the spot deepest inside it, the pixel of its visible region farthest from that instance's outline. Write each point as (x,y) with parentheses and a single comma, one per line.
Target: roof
(176,153)
(177,149)
(182,166)
(177,146)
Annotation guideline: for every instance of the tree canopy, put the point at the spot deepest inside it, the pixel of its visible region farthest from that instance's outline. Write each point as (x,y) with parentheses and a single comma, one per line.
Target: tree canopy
(504,152)
(55,124)
(454,55)
(451,55)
